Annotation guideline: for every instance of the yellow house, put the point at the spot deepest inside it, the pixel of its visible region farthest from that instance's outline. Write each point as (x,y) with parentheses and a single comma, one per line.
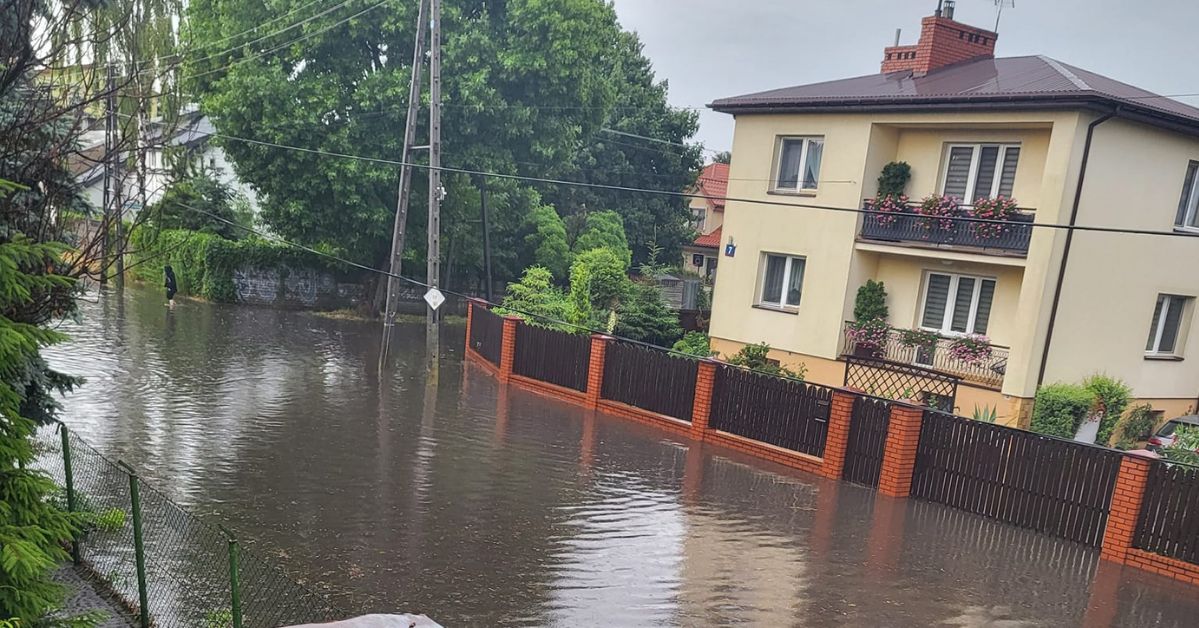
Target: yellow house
(1057,304)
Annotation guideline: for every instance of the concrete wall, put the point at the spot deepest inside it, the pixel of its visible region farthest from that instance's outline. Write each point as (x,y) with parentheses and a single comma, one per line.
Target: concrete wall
(1134,180)
(299,288)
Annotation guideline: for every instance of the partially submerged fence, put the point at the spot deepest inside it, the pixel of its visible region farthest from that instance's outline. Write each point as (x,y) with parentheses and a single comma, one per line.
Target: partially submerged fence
(487,334)
(1139,512)
(783,412)
(1030,480)
(167,565)
(552,356)
(648,379)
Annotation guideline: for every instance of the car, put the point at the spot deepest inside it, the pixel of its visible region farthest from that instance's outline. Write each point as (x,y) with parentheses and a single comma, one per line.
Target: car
(1165,435)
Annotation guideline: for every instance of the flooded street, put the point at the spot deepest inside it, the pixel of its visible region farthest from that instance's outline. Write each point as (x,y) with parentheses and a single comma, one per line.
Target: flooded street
(484,505)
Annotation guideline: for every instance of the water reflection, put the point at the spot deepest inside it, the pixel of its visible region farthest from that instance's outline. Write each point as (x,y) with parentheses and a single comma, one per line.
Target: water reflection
(486,505)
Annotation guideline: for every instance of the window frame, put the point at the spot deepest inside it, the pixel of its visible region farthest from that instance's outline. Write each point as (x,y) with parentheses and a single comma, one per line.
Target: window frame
(1157,326)
(972,175)
(803,162)
(1189,212)
(946,328)
(781,305)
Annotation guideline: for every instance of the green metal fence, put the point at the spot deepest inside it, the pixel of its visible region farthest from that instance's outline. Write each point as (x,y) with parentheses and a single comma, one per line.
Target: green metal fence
(169,566)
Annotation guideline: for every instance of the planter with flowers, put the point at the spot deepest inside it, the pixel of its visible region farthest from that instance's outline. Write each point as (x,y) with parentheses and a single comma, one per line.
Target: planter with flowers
(888,209)
(924,342)
(972,349)
(868,337)
(939,212)
(998,208)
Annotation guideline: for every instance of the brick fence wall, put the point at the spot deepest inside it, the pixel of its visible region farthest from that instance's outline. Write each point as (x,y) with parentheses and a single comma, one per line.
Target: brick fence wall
(899,452)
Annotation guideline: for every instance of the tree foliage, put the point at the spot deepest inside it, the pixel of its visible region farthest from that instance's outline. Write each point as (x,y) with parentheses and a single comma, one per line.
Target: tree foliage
(605,230)
(608,277)
(201,203)
(536,299)
(530,87)
(756,357)
(871,302)
(644,316)
(695,343)
(547,240)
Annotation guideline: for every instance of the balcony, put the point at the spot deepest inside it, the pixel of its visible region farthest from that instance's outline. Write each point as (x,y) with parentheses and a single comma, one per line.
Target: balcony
(1010,237)
(988,373)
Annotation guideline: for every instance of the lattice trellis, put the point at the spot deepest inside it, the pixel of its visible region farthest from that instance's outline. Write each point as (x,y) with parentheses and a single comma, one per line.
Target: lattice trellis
(896,380)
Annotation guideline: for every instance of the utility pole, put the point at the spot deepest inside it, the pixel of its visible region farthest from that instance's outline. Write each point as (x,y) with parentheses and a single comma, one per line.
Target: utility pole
(432,319)
(109,133)
(486,237)
(405,186)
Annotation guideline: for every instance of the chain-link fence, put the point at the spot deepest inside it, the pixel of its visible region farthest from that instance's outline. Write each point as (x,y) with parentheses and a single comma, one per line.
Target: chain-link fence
(170,567)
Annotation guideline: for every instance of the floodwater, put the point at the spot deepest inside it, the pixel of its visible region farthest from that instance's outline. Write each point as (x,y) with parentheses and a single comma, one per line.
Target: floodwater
(486,506)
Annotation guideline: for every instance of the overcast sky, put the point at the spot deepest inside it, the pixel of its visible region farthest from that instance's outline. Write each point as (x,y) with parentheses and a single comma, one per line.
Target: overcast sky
(710,49)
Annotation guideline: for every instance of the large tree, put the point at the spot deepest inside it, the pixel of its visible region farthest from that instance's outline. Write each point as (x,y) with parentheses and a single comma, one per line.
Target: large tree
(529,87)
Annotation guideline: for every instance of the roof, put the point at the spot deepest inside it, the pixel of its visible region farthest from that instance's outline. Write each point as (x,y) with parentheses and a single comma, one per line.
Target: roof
(1010,82)
(713,182)
(709,240)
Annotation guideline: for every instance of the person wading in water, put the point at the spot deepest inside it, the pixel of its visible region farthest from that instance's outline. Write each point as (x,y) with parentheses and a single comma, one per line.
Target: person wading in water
(171,285)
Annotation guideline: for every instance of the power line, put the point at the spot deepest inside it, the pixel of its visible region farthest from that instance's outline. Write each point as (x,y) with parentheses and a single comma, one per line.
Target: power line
(678,194)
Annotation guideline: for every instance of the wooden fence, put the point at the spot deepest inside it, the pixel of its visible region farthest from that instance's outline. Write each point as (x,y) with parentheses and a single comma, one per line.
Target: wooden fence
(867,439)
(783,412)
(650,380)
(1169,517)
(552,356)
(1038,482)
(487,334)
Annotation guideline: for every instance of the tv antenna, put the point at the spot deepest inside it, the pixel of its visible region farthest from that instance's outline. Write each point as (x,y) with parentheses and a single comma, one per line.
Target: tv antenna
(999,5)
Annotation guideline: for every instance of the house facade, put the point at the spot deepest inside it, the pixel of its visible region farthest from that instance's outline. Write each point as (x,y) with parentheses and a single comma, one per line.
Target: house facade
(1069,146)
(707,218)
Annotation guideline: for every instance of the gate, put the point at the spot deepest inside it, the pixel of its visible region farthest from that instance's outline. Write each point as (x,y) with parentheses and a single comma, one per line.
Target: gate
(867,438)
(896,380)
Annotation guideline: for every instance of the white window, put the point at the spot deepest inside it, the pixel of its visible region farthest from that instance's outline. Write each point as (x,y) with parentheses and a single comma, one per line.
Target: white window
(974,171)
(797,165)
(1165,329)
(782,280)
(957,304)
(1188,207)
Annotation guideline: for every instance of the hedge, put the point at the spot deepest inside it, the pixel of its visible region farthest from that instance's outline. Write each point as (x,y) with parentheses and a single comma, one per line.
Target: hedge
(204,263)
(1060,408)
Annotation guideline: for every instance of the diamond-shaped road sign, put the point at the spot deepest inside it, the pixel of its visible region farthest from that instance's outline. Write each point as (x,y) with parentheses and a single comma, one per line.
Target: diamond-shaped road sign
(434,298)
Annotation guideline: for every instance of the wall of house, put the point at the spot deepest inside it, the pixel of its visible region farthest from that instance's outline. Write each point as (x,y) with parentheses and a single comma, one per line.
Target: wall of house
(1134,180)
(924,149)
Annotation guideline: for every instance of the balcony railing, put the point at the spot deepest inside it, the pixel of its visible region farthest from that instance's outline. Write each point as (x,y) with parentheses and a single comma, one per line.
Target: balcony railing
(988,373)
(1010,236)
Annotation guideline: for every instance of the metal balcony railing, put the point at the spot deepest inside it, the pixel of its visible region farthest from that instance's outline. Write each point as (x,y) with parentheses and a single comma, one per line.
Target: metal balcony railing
(908,226)
(988,373)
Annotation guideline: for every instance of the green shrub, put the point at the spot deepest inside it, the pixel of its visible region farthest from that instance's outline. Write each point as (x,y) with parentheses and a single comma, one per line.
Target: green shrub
(695,343)
(1139,423)
(1060,409)
(757,358)
(893,179)
(870,302)
(1111,398)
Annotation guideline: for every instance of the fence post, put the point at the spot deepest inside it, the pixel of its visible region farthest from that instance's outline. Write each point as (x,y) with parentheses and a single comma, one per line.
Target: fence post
(234,581)
(701,408)
(470,316)
(69,475)
(508,348)
(595,369)
(899,452)
(1126,508)
(139,548)
(836,442)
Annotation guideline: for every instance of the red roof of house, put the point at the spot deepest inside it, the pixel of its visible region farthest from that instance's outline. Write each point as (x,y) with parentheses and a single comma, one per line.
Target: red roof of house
(709,240)
(714,181)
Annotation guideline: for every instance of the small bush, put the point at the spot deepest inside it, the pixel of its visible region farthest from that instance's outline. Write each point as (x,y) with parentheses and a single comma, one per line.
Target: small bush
(870,302)
(1111,399)
(1139,423)
(695,343)
(756,358)
(1060,409)
(894,179)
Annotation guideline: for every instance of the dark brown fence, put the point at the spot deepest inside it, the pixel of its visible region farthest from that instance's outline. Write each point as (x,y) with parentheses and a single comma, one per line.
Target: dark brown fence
(552,356)
(649,379)
(1169,519)
(867,438)
(894,380)
(1045,484)
(782,412)
(487,334)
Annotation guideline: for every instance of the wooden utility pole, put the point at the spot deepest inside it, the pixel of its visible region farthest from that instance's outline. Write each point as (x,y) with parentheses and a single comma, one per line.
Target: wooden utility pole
(432,319)
(109,137)
(486,237)
(405,186)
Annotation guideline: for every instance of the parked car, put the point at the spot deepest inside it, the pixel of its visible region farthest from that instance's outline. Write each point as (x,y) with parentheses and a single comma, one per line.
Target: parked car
(1165,435)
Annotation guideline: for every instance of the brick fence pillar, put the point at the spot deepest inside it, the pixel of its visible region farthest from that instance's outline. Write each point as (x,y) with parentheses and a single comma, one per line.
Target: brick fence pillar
(836,442)
(508,348)
(1126,508)
(899,452)
(701,408)
(595,369)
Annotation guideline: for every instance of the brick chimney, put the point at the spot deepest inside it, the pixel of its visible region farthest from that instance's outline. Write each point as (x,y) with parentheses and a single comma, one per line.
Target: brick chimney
(943,41)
